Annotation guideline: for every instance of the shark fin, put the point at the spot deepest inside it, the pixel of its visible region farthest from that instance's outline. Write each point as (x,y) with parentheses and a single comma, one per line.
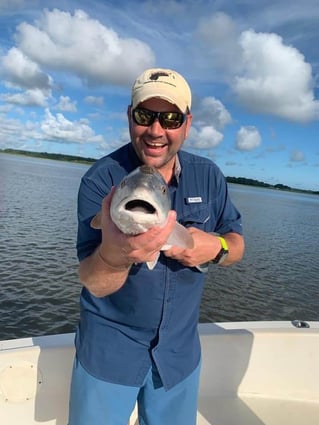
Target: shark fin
(96,221)
(152,264)
(181,237)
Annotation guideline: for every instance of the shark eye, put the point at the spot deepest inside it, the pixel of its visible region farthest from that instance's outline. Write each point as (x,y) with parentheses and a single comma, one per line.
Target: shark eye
(123,183)
(163,189)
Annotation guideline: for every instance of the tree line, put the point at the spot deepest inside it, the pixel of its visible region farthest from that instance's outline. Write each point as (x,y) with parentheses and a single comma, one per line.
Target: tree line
(83,160)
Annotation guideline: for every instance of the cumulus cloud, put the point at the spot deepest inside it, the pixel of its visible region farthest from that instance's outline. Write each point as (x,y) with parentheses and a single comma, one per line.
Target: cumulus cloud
(15,133)
(23,75)
(9,130)
(248,138)
(34,97)
(65,104)
(209,117)
(218,34)
(275,78)
(206,137)
(94,100)
(83,46)
(210,111)
(21,72)
(266,75)
(58,128)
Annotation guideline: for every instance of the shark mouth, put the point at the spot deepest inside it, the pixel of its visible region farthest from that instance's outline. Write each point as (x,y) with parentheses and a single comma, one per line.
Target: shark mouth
(139,205)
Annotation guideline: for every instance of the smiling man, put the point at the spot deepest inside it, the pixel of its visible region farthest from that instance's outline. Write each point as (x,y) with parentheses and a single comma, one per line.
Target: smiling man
(137,338)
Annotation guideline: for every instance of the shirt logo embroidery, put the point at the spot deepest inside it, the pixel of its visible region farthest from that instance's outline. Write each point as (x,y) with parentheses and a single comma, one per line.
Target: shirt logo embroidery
(194,200)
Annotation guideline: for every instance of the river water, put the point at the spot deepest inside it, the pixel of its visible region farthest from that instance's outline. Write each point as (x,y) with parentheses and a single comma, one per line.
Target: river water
(278,279)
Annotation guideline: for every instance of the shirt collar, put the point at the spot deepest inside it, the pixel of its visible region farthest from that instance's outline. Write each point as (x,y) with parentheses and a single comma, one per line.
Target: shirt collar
(177,169)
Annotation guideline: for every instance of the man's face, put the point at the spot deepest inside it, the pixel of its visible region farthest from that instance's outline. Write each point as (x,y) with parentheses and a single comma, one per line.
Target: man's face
(155,145)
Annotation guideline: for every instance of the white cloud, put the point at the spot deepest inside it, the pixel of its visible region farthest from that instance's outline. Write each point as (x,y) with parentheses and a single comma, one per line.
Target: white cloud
(15,134)
(83,46)
(206,137)
(9,130)
(211,112)
(33,97)
(59,129)
(21,72)
(275,78)
(266,75)
(65,104)
(218,33)
(248,138)
(94,100)
(209,116)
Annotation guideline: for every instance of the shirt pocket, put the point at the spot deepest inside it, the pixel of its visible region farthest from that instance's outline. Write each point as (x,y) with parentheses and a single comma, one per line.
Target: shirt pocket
(199,216)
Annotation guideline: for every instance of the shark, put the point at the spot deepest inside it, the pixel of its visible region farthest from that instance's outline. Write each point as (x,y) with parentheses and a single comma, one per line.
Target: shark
(141,201)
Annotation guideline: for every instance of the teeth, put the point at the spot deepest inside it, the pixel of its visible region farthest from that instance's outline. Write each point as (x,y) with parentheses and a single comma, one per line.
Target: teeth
(155,145)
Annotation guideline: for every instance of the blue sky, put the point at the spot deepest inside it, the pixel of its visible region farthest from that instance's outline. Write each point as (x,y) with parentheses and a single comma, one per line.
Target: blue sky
(66,68)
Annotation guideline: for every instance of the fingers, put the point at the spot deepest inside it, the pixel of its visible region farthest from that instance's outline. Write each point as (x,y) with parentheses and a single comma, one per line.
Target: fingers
(136,248)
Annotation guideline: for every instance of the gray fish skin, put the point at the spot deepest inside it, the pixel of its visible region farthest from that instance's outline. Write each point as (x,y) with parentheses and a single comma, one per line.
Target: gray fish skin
(142,201)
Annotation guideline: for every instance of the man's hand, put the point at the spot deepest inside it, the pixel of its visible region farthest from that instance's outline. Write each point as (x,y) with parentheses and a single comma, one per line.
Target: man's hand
(206,247)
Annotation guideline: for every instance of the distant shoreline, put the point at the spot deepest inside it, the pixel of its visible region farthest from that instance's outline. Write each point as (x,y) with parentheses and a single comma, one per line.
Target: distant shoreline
(88,161)
(54,156)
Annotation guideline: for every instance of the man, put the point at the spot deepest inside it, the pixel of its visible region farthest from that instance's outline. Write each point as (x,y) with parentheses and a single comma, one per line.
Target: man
(137,338)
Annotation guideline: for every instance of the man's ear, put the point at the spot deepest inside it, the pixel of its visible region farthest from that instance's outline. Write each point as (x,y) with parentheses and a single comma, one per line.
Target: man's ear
(188,124)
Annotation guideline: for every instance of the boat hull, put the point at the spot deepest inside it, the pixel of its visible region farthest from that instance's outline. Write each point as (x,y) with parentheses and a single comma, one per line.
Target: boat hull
(253,373)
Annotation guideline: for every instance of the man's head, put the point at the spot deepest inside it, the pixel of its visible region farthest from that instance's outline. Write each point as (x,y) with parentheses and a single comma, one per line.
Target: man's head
(163,84)
(159,118)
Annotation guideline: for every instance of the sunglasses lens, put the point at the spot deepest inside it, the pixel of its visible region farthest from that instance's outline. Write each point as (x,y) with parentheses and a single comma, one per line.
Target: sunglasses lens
(168,120)
(142,117)
(171,120)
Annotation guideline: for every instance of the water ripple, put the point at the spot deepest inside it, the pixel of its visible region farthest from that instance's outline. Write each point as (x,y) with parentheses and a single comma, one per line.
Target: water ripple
(277,280)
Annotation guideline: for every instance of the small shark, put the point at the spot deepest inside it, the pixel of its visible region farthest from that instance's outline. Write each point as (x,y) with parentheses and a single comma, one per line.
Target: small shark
(142,201)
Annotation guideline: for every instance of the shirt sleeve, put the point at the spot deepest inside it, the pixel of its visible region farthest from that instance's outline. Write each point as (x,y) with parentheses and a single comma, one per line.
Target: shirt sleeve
(229,218)
(90,196)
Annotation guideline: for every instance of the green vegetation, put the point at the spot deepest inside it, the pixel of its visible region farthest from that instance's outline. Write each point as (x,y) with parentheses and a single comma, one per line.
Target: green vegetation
(54,156)
(82,160)
(252,182)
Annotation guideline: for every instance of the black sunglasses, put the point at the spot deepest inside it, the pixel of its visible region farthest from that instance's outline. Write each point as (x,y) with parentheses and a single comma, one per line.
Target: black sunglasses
(168,120)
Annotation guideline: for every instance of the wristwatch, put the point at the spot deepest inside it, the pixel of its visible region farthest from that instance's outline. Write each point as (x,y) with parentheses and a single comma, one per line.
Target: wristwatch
(223,253)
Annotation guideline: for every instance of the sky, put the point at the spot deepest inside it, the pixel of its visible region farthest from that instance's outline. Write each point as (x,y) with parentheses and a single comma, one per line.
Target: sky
(67,67)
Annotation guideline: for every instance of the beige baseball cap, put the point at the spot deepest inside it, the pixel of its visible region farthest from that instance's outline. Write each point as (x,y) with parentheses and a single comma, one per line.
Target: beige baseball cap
(165,84)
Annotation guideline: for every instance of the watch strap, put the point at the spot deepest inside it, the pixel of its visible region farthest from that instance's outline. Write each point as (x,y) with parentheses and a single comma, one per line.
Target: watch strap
(223,253)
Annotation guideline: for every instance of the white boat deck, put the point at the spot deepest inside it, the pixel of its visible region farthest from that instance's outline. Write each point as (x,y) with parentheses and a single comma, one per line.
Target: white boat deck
(259,373)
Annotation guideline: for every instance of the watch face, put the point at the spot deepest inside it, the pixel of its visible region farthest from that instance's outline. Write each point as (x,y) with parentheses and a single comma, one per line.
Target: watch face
(221,256)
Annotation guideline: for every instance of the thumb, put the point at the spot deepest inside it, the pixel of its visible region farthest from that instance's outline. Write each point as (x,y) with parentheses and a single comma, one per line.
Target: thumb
(106,204)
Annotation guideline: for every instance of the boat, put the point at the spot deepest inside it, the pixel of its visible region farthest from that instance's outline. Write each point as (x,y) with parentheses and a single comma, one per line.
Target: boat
(253,373)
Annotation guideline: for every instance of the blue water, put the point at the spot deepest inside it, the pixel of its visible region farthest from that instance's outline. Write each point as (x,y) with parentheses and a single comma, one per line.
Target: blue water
(278,279)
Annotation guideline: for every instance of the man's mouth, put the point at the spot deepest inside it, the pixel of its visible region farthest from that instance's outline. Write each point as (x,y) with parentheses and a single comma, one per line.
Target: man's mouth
(155,145)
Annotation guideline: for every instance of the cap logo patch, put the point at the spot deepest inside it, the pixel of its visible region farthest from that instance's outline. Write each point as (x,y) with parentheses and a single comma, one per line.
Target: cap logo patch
(155,76)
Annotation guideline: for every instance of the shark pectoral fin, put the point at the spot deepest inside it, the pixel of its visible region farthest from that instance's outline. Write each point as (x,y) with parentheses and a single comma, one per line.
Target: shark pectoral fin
(152,264)
(96,221)
(165,247)
(181,237)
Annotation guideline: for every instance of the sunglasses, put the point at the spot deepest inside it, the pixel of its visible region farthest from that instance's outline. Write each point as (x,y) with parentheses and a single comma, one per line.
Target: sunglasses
(168,120)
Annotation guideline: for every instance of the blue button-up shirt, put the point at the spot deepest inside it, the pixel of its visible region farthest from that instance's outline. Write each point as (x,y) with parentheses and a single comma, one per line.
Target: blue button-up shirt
(152,319)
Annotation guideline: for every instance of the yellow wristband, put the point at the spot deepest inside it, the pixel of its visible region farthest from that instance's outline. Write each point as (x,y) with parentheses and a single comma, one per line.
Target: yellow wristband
(223,253)
(223,242)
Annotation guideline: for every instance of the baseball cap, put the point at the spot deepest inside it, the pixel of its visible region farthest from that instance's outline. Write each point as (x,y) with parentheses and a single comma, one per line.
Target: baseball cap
(165,84)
